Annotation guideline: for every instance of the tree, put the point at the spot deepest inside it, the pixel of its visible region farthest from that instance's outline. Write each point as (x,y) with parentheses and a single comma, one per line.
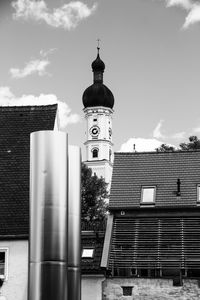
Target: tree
(165,148)
(193,144)
(93,196)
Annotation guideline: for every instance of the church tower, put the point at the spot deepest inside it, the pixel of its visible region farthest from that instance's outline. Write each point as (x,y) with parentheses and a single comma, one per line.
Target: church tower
(98,104)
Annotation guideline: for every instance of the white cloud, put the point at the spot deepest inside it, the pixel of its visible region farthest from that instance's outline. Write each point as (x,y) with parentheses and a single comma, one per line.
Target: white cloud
(157,131)
(45,53)
(191,6)
(193,16)
(179,135)
(67,16)
(65,116)
(141,145)
(186,4)
(35,66)
(196,130)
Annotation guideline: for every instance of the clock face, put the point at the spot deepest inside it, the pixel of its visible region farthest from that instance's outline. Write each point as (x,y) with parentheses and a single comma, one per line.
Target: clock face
(94,131)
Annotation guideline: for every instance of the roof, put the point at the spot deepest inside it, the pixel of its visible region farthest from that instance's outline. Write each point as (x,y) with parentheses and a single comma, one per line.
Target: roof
(160,169)
(98,94)
(16,124)
(92,240)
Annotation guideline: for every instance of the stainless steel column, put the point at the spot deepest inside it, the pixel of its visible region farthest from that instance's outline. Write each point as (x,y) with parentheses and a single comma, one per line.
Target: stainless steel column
(74,224)
(48,216)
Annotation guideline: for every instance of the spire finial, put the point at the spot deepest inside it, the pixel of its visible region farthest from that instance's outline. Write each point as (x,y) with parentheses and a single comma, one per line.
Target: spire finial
(98,46)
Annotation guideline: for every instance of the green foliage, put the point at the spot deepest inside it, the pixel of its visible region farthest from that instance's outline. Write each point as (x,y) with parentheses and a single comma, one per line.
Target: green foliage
(93,195)
(193,144)
(165,148)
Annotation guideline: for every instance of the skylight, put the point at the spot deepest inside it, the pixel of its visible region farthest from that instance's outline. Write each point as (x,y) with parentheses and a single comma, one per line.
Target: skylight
(148,194)
(87,253)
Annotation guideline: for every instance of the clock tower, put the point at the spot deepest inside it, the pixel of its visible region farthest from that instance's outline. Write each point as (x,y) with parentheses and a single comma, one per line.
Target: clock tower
(98,104)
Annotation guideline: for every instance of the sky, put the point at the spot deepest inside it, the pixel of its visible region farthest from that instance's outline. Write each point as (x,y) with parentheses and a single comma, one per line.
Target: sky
(151,49)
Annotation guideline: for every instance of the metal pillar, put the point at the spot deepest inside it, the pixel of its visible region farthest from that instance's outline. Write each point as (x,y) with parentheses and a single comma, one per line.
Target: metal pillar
(74,224)
(48,216)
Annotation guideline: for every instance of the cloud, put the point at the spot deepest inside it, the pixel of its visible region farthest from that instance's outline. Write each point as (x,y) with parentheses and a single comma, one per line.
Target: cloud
(159,135)
(65,116)
(191,6)
(157,131)
(35,66)
(196,129)
(179,135)
(193,16)
(186,4)
(140,145)
(45,53)
(67,16)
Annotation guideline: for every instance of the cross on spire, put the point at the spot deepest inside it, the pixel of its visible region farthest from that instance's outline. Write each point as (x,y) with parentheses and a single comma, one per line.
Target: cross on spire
(98,45)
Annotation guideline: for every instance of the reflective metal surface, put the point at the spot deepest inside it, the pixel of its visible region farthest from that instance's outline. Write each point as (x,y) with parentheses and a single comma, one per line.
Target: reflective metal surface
(74,224)
(48,216)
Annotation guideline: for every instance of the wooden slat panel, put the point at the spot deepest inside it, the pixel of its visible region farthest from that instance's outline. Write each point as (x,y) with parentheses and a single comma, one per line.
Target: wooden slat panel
(155,243)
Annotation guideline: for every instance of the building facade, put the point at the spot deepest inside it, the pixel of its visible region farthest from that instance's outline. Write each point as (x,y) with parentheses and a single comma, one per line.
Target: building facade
(16,124)
(152,241)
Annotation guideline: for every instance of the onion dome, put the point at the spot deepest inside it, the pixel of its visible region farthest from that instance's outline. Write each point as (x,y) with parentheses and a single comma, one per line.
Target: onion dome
(98,64)
(98,94)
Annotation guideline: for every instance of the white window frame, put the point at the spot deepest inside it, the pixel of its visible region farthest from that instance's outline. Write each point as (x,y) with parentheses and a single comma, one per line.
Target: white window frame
(198,193)
(142,194)
(5,276)
(89,256)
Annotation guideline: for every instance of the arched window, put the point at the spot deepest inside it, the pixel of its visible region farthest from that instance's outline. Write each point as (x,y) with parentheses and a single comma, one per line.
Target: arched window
(95,153)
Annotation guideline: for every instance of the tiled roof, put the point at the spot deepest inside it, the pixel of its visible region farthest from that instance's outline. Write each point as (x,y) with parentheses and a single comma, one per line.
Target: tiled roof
(92,240)
(16,124)
(133,170)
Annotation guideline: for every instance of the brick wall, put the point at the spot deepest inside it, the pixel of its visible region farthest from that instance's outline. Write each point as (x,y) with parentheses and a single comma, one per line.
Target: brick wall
(150,289)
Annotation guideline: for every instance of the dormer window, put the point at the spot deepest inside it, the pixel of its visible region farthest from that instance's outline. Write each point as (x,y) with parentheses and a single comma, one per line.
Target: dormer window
(148,194)
(87,252)
(95,152)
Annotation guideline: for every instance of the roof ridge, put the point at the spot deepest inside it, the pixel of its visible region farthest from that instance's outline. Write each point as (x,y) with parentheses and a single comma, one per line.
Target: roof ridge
(157,152)
(28,107)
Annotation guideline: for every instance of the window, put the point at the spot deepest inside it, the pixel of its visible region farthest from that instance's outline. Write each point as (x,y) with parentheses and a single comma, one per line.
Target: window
(127,290)
(95,153)
(3,263)
(110,154)
(148,194)
(198,193)
(87,252)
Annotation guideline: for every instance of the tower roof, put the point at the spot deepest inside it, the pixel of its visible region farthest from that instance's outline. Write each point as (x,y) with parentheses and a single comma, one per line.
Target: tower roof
(98,64)
(98,94)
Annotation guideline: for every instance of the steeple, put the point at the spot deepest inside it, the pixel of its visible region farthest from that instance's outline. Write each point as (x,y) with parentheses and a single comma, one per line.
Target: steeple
(98,103)
(98,94)
(98,68)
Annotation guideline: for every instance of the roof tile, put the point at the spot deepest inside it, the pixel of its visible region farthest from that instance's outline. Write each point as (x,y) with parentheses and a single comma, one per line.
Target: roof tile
(16,124)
